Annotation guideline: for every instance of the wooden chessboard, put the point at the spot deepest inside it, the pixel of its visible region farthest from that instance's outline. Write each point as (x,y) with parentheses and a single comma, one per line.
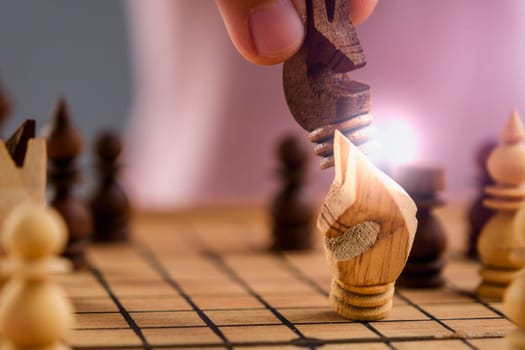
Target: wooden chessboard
(205,280)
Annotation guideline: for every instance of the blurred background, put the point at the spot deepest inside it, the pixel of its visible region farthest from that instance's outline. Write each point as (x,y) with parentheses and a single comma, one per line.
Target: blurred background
(202,125)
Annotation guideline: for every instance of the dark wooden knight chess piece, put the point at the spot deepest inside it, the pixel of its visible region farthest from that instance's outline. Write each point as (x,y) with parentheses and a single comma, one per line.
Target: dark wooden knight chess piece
(319,93)
(292,209)
(109,204)
(426,260)
(64,145)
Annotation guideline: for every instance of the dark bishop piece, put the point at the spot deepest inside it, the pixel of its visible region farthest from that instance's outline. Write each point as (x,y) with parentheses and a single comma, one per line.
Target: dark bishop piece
(292,209)
(64,145)
(109,204)
(319,93)
(426,260)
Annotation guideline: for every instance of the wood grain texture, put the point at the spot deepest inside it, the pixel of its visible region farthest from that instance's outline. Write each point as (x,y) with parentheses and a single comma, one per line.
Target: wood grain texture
(183,266)
(374,219)
(318,91)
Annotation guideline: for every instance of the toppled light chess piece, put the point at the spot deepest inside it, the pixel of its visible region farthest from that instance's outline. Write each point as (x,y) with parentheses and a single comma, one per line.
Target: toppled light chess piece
(369,223)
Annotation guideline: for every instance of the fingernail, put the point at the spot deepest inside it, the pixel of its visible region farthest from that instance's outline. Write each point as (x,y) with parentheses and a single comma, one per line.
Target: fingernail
(276,28)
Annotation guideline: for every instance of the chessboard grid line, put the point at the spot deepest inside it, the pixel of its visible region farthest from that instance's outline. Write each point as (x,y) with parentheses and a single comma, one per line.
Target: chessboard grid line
(159,267)
(277,324)
(210,254)
(278,343)
(297,273)
(424,339)
(478,300)
(300,275)
(127,317)
(219,261)
(432,317)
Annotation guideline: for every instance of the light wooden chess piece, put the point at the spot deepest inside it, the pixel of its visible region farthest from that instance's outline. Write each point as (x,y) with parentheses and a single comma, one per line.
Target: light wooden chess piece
(34,313)
(369,223)
(514,307)
(503,233)
(23,163)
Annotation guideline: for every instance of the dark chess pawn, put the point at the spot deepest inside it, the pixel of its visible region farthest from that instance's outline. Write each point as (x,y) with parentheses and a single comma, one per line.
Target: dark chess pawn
(64,145)
(426,261)
(478,214)
(109,204)
(292,210)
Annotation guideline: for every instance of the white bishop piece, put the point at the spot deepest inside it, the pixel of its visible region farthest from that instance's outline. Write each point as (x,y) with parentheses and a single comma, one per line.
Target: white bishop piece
(503,234)
(34,312)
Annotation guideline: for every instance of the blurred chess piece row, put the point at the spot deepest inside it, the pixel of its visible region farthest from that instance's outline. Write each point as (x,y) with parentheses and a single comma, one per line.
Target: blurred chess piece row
(104,216)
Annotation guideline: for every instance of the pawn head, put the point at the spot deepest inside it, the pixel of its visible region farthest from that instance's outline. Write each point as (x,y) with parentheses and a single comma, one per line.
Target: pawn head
(108,146)
(33,232)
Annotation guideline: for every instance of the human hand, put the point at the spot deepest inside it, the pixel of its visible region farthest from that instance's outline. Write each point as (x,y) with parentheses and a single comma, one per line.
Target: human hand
(271,31)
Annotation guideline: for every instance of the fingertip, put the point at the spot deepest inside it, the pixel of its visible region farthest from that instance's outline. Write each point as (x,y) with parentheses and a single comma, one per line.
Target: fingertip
(360,10)
(264,32)
(277,30)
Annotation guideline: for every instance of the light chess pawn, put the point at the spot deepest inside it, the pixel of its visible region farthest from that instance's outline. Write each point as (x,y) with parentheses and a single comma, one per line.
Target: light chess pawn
(369,223)
(34,312)
(503,233)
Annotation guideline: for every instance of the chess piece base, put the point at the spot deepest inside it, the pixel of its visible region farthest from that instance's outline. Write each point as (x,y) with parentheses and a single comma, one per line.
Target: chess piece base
(516,339)
(7,346)
(293,239)
(363,303)
(494,281)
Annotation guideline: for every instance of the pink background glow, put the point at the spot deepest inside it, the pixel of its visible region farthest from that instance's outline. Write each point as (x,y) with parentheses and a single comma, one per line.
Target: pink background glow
(453,69)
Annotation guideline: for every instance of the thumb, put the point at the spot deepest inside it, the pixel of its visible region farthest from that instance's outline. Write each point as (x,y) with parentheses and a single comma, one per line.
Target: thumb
(271,31)
(263,31)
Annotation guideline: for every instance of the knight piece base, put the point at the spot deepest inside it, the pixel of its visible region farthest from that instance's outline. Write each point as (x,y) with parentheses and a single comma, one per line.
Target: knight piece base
(361,303)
